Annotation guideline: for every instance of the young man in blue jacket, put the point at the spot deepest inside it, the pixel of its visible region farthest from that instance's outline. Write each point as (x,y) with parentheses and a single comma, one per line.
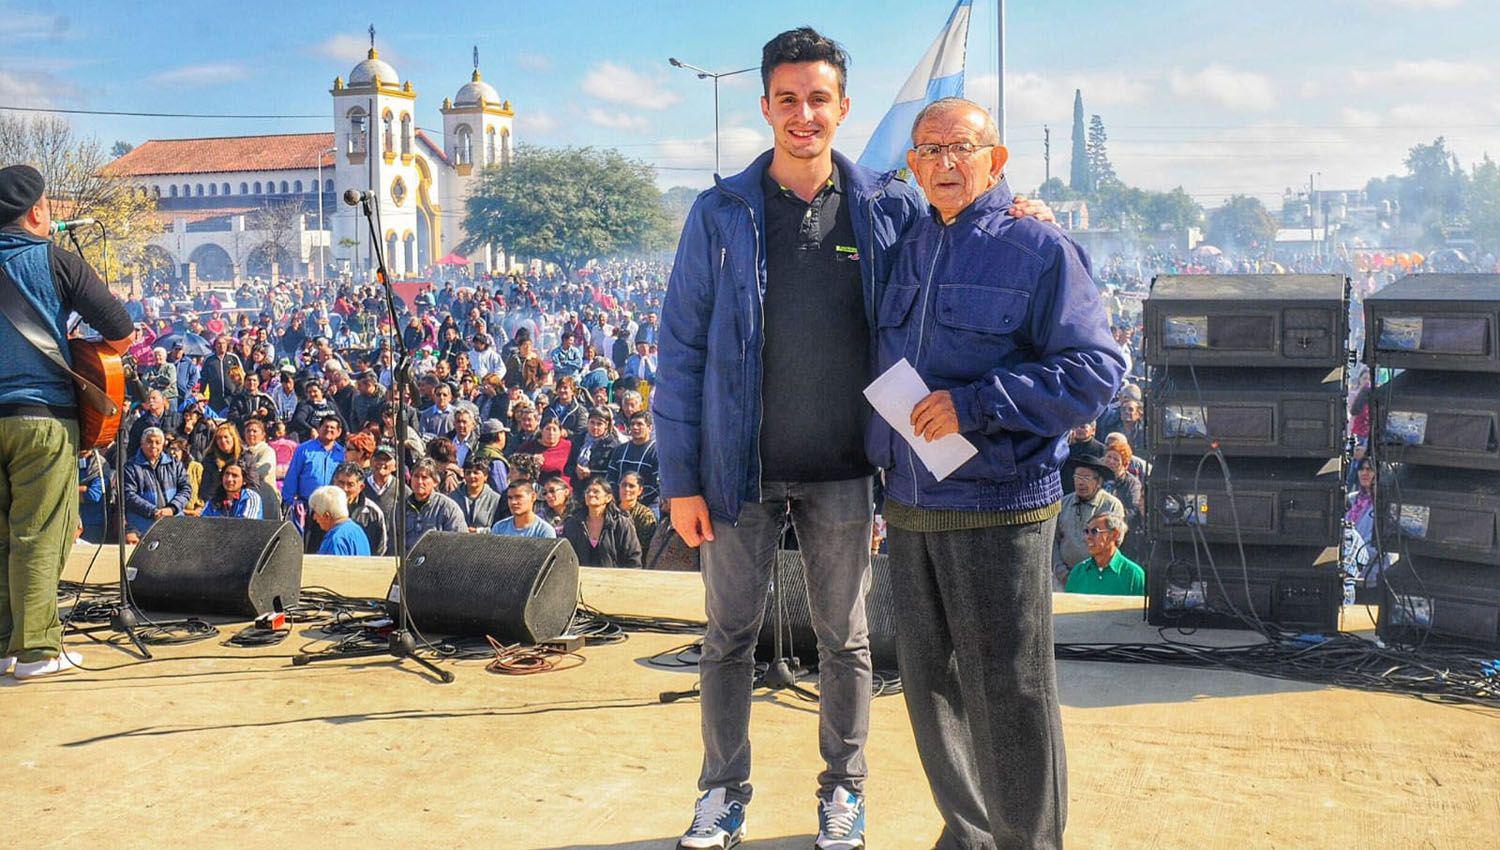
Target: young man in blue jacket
(1002,320)
(783,256)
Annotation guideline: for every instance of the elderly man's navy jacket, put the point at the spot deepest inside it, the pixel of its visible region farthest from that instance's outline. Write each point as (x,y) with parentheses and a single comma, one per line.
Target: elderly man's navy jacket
(1003,313)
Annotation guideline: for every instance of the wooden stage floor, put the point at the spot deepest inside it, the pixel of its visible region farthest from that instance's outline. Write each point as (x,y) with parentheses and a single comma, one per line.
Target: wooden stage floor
(236,748)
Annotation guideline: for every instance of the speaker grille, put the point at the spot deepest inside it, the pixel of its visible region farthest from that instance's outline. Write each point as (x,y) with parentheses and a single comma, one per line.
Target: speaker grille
(212,565)
(798,638)
(510,588)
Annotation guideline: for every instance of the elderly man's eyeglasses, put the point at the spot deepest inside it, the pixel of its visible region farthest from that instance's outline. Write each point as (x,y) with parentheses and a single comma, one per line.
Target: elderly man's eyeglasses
(957,150)
(1094,532)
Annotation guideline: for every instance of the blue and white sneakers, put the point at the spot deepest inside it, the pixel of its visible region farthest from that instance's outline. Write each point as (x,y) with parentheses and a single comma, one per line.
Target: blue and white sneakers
(841,821)
(718,824)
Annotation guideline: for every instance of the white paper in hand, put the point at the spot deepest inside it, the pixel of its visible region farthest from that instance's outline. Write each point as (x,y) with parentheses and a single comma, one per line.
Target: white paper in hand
(894,395)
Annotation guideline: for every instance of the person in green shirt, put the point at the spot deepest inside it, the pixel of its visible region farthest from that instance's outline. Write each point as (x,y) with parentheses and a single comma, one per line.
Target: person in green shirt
(1107,572)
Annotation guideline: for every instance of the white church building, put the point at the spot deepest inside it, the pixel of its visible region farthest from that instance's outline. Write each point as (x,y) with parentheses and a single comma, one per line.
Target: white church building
(209,191)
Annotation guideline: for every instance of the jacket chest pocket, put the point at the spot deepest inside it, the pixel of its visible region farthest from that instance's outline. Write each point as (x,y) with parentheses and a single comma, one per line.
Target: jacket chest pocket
(975,328)
(895,305)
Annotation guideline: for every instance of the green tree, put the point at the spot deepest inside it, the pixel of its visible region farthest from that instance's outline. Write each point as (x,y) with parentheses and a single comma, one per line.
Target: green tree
(1056,191)
(1483,204)
(1243,224)
(121,148)
(567,206)
(80,184)
(1101,171)
(1171,210)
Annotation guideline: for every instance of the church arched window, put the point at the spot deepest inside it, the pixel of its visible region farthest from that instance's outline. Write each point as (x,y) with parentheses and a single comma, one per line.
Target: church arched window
(213,189)
(198,190)
(297,187)
(244,189)
(328,185)
(388,132)
(357,129)
(156,190)
(405,133)
(505,147)
(284,187)
(224,190)
(489,146)
(463,146)
(257,187)
(172,191)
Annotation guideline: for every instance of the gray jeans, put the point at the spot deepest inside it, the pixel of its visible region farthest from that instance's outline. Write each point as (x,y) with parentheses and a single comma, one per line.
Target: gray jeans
(975,649)
(833,529)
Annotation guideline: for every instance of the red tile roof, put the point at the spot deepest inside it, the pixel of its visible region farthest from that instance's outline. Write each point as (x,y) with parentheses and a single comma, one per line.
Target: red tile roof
(432,147)
(228,153)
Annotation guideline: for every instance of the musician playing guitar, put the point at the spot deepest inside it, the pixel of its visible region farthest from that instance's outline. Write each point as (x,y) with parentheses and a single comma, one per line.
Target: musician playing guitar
(39,423)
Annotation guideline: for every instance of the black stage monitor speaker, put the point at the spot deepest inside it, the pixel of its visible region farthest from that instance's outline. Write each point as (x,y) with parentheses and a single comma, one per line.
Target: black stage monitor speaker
(514,589)
(1247,412)
(1447,419)
(1436,321)
(1279,502)
(1247,320)
(1429,600)
(212,565)
(1288,586)
(797,637)
(1443,513)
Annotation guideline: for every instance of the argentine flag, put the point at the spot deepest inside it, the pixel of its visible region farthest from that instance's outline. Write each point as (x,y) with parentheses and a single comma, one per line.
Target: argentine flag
(940,74)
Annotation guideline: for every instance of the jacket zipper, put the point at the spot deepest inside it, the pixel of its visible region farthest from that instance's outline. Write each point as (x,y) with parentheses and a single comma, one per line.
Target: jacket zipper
(921,335)
(744,344)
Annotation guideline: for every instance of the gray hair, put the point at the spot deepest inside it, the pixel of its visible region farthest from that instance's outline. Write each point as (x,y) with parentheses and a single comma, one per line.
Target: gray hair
(329,499)
(988,135)
(153,432)
(1115,522)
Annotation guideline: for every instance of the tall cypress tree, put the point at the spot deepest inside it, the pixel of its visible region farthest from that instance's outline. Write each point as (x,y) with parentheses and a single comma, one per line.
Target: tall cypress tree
(1079,178)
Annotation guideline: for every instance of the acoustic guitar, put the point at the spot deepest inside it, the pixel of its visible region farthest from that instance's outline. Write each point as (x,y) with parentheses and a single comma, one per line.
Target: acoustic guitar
(97,370)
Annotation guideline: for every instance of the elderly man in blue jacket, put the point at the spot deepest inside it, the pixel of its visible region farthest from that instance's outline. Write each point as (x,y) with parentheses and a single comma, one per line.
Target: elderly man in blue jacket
(783,256)
(1001,319)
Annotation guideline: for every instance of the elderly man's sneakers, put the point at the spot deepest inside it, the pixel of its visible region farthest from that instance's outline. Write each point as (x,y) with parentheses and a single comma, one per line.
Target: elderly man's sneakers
(841,821)
(718,823)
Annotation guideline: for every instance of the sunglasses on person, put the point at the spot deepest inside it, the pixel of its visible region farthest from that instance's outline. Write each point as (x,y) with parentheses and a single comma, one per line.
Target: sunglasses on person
(1094,532)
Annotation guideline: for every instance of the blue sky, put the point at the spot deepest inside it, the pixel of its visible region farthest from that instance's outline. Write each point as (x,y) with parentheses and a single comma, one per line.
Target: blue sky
(1218,97)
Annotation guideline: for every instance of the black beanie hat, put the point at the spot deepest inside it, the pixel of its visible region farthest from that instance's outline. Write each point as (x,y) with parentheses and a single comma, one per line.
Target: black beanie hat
(21,187)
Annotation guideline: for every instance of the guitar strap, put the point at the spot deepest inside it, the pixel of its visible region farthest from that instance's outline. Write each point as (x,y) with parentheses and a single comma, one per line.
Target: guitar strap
(24,317)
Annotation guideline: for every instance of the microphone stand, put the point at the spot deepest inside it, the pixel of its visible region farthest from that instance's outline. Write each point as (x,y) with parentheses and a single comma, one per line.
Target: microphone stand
(400,645)
(783,670)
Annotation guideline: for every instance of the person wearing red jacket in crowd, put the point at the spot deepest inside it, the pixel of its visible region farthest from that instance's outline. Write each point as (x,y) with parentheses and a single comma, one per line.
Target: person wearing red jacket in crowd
(553,447)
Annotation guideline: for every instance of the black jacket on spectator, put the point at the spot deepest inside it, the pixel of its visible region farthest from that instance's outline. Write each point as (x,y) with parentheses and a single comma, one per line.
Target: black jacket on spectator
(305,418)
(618,546)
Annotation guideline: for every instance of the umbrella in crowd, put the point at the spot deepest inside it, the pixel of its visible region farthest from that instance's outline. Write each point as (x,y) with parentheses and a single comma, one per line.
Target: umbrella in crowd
(193,345)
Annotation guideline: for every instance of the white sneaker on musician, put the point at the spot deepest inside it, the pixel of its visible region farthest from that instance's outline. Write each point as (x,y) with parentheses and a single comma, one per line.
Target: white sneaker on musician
(718,823)
(64,663)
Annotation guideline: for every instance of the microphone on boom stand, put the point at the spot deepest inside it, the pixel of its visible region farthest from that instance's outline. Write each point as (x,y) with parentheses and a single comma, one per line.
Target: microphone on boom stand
(400,644)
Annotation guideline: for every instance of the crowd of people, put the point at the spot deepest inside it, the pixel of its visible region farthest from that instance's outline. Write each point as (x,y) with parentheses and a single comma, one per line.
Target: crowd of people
(529,413)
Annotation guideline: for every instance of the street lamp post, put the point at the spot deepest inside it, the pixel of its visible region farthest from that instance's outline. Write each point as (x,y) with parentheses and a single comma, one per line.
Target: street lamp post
(710,75)
(319,192)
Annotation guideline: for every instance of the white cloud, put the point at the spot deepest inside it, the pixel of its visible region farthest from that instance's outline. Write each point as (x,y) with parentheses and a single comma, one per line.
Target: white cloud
(536,62)
(738,145)
(616,83)
(1425,72)
(23,89)
(1033,97)
(534,122)
(28,25)
(1420,4)
(1226,87)
(200,75)
(351,47)
(616,120)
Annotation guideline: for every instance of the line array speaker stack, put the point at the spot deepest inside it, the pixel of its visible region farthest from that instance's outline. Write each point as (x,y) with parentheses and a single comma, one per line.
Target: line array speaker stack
(1250,368)
(1435,432)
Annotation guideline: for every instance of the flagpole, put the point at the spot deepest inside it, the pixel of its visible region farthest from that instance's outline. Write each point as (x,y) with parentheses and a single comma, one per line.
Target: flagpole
(1000,71)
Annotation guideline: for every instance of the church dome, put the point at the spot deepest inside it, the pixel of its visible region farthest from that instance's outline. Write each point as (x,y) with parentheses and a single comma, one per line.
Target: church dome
(474,91)
(373,66)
